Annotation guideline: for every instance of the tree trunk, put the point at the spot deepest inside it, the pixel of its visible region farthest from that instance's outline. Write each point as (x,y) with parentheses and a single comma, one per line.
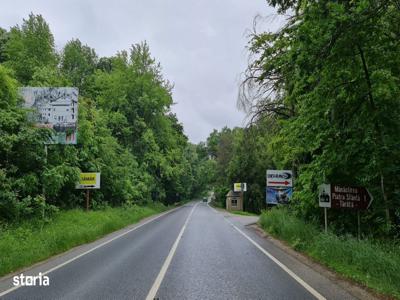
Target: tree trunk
(379,135)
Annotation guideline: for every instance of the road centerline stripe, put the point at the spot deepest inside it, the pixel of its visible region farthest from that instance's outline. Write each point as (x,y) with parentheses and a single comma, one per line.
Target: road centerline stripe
(94,248)
(281,265)
(157,282)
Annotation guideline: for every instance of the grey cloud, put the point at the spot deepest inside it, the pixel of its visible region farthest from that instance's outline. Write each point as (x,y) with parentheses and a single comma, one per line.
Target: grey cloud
(200,45)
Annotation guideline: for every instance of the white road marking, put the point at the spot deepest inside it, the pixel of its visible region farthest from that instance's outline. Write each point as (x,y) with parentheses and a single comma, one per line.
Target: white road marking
(216,211)
(157,283)
(92,249)
(283,267)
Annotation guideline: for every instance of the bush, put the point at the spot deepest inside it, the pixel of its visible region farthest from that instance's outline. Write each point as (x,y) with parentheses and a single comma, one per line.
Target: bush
(375,264)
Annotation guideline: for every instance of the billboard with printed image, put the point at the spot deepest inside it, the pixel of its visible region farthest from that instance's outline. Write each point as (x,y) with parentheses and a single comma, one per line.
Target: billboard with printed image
(279,195)
(55,108)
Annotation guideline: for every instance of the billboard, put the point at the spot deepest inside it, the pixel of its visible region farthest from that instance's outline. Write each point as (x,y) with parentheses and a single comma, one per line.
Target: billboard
(55,108)
(279,195)
(279,186)
(279,178)
(88,181)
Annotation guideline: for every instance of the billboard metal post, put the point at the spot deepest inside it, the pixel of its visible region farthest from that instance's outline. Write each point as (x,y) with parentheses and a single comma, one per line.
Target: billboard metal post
(326,219)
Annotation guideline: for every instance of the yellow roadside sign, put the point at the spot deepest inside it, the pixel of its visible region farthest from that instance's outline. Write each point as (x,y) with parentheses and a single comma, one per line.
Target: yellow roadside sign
(89,181)
(240,187)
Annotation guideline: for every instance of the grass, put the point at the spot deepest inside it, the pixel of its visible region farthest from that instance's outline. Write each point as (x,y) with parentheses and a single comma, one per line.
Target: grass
(242,213)
(28,243)
(371,263)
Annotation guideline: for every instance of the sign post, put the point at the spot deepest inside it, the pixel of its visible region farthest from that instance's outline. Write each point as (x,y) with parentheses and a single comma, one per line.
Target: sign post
(88,181)
(279,186)
(348,197)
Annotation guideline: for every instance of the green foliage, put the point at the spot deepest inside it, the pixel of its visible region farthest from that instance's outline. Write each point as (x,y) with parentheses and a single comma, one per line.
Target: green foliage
(324,89)
(20,162)
(374,264)
(30,242)
(78,63)
(29,47)
(240,155)
(126,129)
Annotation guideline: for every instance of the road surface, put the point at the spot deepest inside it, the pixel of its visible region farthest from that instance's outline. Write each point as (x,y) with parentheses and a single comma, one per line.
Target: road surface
(192,252)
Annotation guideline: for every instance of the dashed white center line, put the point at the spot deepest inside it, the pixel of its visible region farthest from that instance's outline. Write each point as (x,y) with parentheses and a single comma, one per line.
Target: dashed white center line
(157,283)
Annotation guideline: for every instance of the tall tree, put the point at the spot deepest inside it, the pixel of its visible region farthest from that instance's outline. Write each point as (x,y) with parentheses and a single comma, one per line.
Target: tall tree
(78,63)
(29,47)
(330,75)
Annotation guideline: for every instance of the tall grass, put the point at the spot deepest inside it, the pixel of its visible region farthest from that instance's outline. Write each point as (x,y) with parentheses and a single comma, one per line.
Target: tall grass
(372,263)
(27,243)
(242,213)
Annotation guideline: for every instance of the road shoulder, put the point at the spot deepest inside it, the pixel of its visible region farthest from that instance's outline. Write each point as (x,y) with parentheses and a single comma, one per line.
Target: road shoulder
(350,286)
(76,252)
(313,272)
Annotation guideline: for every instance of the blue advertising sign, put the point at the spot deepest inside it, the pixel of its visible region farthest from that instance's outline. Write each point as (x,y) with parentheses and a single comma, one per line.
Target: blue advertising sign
(279,195)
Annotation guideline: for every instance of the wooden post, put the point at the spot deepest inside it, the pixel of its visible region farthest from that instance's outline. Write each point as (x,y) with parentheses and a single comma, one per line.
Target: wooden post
(326,219)
(87,199)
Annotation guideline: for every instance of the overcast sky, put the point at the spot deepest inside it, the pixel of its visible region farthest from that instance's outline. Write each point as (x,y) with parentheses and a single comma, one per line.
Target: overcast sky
(199,43)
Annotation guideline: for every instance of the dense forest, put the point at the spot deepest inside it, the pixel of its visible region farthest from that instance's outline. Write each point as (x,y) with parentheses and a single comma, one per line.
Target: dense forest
(126,129)
(322,99)
(323,94)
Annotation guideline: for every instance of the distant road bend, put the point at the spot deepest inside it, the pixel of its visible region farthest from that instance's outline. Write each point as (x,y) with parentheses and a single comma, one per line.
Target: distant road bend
(192,252)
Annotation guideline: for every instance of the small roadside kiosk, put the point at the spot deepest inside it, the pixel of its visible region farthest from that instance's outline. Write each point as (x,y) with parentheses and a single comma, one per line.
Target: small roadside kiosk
(234,200)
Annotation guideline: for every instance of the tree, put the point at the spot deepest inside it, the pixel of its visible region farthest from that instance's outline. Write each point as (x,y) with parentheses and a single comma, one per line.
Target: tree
(29,47)
(78,64)
(3,41)
(330,77)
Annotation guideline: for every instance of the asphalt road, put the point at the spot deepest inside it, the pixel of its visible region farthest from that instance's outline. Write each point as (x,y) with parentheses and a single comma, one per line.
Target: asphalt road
(192,252)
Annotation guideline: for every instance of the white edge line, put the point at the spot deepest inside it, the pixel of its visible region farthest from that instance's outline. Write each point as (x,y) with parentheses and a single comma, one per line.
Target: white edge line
(281,265)
(216,211)
(92,249)
(157,282)
(275,260)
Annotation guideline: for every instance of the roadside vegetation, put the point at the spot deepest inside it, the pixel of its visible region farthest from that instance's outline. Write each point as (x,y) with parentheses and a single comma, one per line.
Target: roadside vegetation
(126,131)
(243,213)
(29,242)
(322,98)
(322,95)
(373,263)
